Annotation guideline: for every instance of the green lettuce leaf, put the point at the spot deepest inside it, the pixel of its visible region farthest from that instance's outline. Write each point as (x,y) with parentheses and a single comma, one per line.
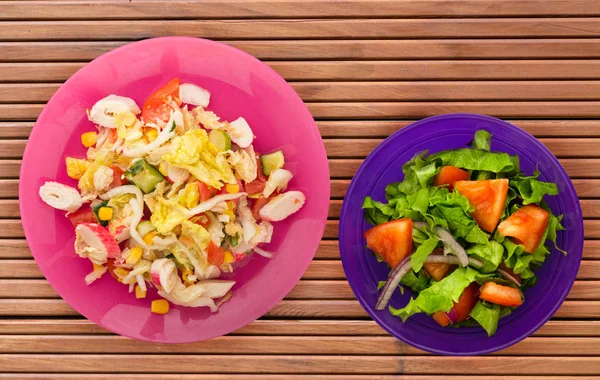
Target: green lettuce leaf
(422,252)
(482,140)
(439,296)
(415,281)
(490,254)
(531,189)
(453,211)
(474,159)
(487,315)
(417,174)
(377,212)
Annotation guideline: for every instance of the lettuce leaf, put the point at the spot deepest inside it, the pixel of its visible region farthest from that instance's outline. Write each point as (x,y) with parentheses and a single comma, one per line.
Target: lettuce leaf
(415,281)
(422,252)
(487,315)
(377,212)
(417,174)
(453,211)
(482,140)
(490,254)
(440,296)
(531,189)
(474,159)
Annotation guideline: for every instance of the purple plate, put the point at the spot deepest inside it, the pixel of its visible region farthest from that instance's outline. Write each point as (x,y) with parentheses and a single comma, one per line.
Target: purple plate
(384,165)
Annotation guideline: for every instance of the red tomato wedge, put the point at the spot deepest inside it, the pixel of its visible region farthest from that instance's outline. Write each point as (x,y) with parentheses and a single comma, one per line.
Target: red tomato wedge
(438,271)
(206,192)
(392,241)
(461,309)
(117,180)
(466,302)
(215,254)
(448,175)
(156,107)
(527,226)
(255,187)
(488,197)
(501,294)
(259,203)
(83,215)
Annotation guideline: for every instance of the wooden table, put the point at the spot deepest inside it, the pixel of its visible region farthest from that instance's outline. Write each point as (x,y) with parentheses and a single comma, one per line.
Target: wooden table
(365,69)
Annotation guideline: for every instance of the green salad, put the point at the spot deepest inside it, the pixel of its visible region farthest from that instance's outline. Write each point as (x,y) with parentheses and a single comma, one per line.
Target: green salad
(465,230)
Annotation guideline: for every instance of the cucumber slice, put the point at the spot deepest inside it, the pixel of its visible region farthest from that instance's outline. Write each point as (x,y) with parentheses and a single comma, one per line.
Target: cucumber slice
(96,208)
(145,227)
(144,176)
(272,161)
(220,139)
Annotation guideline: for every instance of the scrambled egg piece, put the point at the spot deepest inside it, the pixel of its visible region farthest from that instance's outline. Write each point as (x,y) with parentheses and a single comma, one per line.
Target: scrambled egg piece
(194,152)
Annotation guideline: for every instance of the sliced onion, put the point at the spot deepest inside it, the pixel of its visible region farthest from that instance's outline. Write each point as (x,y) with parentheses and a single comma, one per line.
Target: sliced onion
(508,276)
(453,260)
(393,280)
(452,316)
(449,242)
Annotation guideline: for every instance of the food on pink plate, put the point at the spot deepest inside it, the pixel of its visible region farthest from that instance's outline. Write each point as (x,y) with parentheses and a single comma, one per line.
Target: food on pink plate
(170,196)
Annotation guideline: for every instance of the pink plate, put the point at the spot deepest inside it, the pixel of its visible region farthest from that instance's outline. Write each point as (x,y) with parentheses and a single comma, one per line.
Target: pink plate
(240,86)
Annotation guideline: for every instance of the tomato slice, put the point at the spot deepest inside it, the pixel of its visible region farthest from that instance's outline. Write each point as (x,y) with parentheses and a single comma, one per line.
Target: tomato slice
(461,309)
(527,226)
(156,107)
(501,294)
(259,203)
(206,192)
(216,255)
(392,241)
(488,197)
(255,187)
(83,215)
(448,175)
(438,271)
(110,266)
(117,180)
(466,302)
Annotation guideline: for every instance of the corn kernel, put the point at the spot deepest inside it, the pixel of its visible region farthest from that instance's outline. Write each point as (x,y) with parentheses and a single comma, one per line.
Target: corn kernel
(98,267)
(105,213)
(121,272)
(160,306)
(228,258)
(149,238)
(129,119)
(255,196)
(139,293)
(232,189)
(76,167)
(89,139)
(135,254)
(230,210)
(151,135)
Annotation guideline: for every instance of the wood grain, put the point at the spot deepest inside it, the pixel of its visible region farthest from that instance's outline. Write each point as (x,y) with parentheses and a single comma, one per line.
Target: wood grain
(323,364)
(61,376)
(306,29)
(362,70)
(61,10)
(584,48)
(304,309)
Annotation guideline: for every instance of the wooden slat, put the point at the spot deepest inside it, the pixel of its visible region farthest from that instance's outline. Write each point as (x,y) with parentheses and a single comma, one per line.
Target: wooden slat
(66,376)
(280,345)
(300,364)
(362,70)
(59,10)
(260,327)
(383,91)
(342,49)
(307,309)
(304,290)
(14,249)
(307,29)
